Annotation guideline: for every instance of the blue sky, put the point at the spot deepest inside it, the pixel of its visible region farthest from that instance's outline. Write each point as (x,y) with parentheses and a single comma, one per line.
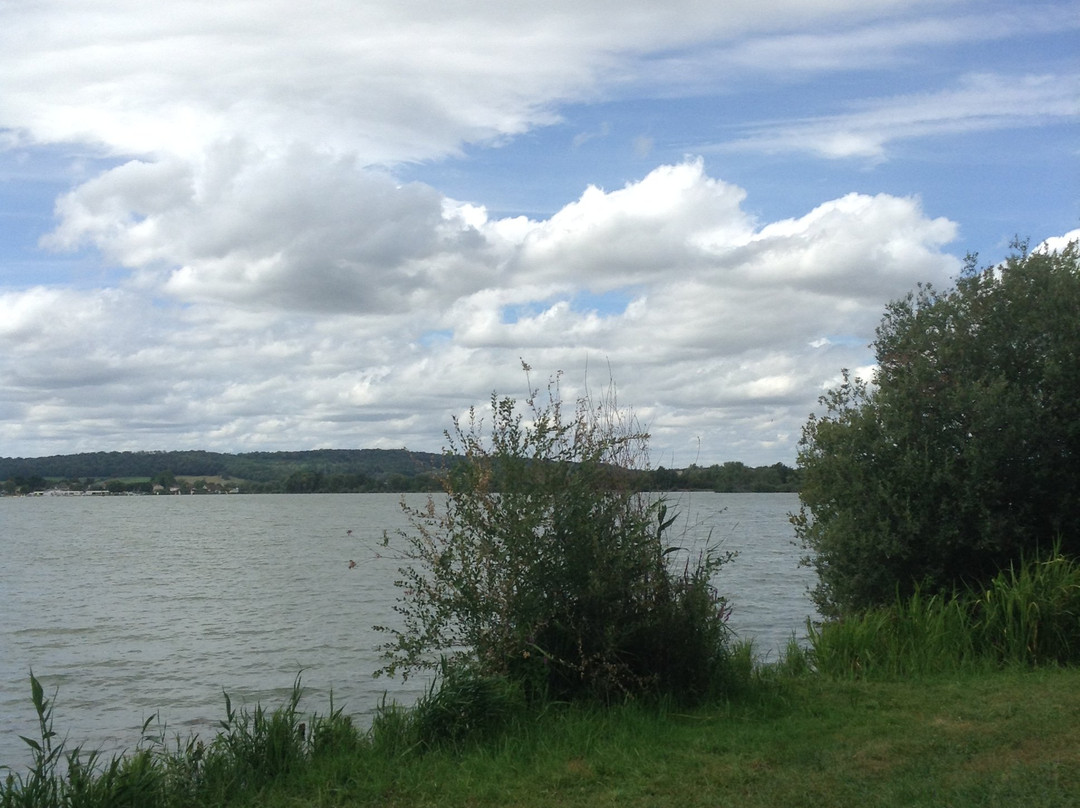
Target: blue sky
(252,227)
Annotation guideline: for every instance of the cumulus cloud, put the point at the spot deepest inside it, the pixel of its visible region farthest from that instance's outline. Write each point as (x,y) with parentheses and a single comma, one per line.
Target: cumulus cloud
(718,319)
(1059,243)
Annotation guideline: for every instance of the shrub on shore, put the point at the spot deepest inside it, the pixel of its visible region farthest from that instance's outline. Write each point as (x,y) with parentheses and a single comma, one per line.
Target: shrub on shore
(548,567)
(959,458)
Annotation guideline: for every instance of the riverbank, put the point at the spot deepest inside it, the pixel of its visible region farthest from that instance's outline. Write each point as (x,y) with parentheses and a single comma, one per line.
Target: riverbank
(996,738)
(993,739)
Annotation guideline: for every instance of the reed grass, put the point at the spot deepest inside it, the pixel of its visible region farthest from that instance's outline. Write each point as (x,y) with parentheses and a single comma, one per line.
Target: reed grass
(1028,615)
(252,749)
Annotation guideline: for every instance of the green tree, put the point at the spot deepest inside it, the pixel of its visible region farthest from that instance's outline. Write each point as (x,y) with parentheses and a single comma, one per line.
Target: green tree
(964,453)
(303,482)
(548,567)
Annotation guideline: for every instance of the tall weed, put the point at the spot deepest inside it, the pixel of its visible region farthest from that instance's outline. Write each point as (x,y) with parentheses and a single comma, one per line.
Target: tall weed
(252,749)
(77,779)
(1028,615)
(1032,613)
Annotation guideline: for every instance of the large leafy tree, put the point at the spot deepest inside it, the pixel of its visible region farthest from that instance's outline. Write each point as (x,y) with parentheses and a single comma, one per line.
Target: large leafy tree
(963,454)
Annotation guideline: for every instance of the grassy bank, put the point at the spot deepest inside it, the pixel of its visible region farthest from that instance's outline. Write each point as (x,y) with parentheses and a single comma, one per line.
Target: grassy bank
(1002,739)
(991,738)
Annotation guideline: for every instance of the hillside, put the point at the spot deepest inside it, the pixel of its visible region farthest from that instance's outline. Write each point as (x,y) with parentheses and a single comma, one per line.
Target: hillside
(325,470)
(254,467)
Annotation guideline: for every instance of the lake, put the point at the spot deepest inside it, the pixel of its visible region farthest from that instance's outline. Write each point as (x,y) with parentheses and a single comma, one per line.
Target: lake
(132,606)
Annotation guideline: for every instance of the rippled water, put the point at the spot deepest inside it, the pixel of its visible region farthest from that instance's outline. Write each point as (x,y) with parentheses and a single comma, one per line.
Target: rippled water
(132,606)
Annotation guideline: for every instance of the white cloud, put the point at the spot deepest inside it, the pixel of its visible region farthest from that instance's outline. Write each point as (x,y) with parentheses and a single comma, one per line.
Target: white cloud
(666,221)
(301,231)
(1058,243)
(725,328)
(979,102)
(794,56)
(389,81)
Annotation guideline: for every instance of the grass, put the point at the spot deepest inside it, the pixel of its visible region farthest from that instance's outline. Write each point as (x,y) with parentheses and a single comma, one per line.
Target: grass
(1028,614)
(1004,737)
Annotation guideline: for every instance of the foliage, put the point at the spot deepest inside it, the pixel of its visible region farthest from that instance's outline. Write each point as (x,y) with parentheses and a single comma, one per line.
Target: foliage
(971,739)
(464,705)
(325,471)
(963,455)
(548,567)
(328,470)
(731,477)
(252,750)
(1028,614)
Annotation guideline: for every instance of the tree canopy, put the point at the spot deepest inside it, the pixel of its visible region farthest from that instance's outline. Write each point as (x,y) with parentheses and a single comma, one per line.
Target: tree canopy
(961,455)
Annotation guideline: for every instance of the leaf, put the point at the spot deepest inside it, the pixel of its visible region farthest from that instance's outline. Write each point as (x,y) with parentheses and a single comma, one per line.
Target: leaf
(31,743)
(38,693)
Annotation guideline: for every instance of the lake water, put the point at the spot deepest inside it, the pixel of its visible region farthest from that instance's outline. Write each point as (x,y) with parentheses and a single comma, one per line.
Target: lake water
(132,606)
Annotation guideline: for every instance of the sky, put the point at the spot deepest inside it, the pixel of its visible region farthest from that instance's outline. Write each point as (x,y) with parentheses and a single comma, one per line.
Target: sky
(255,226)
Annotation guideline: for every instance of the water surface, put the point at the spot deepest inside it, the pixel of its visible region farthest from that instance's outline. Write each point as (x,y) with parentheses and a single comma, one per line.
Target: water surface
(132,606)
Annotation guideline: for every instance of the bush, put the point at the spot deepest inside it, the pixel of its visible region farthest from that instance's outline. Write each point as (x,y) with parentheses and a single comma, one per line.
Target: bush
(962,456)
(465,704)
(548,567)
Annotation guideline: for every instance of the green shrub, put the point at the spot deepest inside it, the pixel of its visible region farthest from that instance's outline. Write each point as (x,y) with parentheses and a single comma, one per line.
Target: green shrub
(960,458)
(548,567)
(465,704)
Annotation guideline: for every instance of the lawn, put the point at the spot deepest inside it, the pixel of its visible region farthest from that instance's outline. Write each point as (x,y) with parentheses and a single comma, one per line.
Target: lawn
(1003,738)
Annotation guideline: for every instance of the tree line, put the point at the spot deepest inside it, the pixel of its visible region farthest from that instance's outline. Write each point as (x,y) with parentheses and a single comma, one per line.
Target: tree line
(254,466)
(321,471)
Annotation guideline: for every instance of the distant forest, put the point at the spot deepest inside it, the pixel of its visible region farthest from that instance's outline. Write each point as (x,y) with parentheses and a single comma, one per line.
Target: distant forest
(318,471)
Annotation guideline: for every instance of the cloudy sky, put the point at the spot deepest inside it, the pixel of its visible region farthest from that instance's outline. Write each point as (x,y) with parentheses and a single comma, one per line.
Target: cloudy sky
(247,225)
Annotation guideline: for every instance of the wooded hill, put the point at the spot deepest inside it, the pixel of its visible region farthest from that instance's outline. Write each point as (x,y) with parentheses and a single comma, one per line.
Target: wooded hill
(351,469)
(326,470)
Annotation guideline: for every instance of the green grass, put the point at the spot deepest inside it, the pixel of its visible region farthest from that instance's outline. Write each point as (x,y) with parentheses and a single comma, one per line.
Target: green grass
(1003,737)
(996,739)
(1028,614)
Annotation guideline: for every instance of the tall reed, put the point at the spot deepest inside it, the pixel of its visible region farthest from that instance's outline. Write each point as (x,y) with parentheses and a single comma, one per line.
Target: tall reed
(1032,613)
(251,750)
(1028,615)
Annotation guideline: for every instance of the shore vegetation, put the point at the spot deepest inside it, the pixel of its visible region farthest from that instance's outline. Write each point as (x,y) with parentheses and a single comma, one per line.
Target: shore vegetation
(801,731)
(958,457)
(546,566)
